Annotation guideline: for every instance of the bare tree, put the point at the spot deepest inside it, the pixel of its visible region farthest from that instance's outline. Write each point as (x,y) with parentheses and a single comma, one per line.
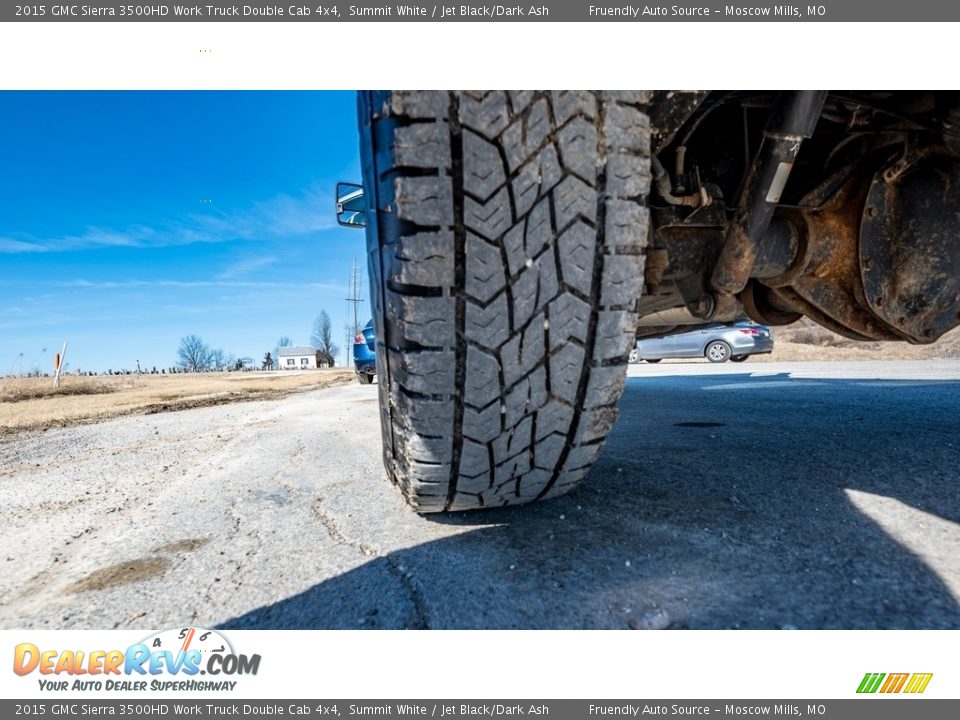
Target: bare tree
(284,341)
(322,339)
(193,354)
(221,359)
(218,359)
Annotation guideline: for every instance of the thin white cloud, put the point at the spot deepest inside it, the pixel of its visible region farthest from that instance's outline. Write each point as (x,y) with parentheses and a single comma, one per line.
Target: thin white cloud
(245,267)
(281,216)
(9,245)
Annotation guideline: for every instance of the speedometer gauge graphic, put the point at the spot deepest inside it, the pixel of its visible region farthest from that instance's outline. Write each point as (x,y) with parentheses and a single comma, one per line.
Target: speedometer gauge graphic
(177,640)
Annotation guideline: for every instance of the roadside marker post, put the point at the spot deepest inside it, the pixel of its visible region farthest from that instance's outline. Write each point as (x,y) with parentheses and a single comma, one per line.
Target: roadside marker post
(58,364)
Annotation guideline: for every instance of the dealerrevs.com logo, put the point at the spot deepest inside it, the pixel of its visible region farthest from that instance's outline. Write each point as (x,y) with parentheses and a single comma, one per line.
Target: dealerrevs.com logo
(182,653)
(912,683)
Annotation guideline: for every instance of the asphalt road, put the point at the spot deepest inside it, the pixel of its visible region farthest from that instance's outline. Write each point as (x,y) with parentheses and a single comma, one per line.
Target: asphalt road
(736,496)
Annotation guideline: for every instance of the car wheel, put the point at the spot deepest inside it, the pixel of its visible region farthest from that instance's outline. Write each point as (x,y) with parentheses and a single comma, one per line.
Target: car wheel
(505,236)
(364,378)
(654,361)
(634,356)
(717,352)
(738,358)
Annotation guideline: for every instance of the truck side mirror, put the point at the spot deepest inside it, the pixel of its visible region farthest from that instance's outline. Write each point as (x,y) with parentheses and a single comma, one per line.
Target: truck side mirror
(351,205)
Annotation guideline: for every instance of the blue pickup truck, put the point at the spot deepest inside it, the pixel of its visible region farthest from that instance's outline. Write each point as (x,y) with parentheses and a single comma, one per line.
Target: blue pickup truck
(365,355)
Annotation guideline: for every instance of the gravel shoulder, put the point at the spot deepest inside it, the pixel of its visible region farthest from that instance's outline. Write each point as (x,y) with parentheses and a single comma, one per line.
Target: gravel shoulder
(820,495)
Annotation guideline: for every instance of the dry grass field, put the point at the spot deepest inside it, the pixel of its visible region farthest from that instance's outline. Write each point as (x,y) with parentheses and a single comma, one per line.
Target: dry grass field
(805,341)
(32,403)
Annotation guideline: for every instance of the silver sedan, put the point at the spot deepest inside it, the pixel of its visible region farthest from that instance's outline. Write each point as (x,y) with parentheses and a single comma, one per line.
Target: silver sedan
(717,342)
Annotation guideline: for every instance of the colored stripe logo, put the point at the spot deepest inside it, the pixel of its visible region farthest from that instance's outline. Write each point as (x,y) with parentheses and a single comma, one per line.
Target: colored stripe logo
(912,683)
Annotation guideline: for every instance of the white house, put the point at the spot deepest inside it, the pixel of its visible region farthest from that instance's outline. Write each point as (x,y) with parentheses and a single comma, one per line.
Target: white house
(297,357)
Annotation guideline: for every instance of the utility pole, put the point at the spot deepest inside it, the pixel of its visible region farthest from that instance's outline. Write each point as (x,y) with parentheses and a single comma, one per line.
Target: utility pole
(355,298)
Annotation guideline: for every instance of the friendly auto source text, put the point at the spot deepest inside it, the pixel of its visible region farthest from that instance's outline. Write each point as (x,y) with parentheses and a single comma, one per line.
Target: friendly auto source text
(642,11)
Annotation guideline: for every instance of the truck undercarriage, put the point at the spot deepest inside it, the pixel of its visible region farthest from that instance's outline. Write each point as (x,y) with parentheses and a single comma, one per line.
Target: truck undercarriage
(842,206)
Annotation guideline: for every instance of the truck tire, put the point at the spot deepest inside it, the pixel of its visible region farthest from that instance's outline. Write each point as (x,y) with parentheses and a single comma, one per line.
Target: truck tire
(505,236)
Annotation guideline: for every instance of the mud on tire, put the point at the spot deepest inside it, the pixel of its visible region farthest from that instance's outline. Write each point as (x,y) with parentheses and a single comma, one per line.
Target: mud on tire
(505,234)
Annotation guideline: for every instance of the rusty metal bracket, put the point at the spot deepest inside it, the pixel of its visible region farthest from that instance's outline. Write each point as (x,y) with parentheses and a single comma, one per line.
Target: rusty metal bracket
(792,120)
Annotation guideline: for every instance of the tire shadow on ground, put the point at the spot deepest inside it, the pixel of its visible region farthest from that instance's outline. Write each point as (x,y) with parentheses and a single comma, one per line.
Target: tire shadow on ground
(720,501)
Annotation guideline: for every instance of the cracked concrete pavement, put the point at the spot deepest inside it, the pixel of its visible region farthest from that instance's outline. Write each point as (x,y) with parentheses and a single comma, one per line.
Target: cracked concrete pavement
(765,495)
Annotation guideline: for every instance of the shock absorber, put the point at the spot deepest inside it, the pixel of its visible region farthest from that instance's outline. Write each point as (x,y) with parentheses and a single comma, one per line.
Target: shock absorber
(792,120)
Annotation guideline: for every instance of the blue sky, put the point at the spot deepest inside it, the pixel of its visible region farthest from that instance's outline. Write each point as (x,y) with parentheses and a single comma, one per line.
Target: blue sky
(131,219)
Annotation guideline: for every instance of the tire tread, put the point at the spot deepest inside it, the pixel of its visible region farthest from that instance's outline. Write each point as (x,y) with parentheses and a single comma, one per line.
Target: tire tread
(506,243)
